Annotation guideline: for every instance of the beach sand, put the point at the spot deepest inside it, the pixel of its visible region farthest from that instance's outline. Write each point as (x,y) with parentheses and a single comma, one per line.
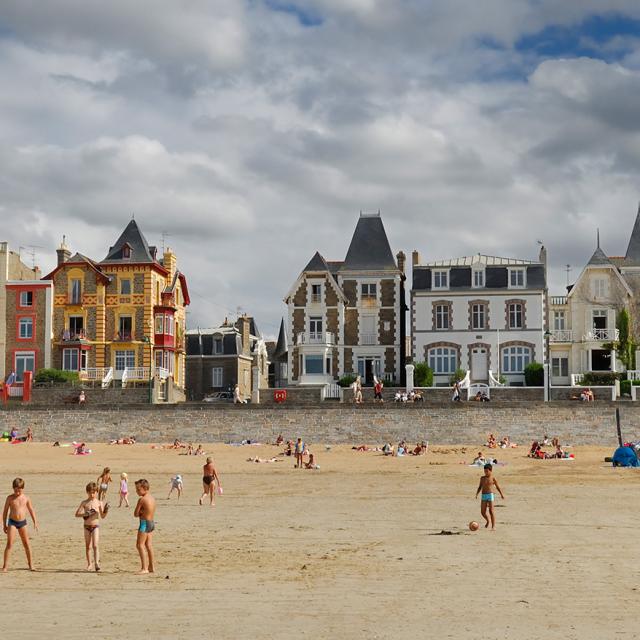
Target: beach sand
(349,551)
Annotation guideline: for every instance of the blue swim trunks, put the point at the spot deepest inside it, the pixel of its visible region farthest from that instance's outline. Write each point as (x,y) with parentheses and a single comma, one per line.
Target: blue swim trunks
(146,526)
(487,497)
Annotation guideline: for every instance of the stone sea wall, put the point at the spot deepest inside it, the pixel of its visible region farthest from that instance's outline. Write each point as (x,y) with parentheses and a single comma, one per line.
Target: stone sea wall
(464,423)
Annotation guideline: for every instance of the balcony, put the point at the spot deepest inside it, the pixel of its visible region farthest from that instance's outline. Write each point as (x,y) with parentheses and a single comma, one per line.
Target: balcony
(73,336)
(369,301)
(124,336)
(369,339)
(601,335)
(315,338)
(561,335)
(558,300)
(316,298)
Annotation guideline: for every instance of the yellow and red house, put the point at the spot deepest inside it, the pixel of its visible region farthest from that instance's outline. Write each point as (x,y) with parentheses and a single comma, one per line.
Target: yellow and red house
(122,318)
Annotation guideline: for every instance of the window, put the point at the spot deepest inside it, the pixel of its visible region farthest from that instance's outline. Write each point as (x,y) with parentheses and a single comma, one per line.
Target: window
(516,278)
(560,367)
(76,291)
(478,316)
(159,361)
(168,361)
(25,328)
(168,325)
(368,330)
(316,293)
(516,315)
(600,287)
(314,364)
(440,279)
(125,324)
(218,346)
(315,328)
(600,319)
(559,321)
(125,287)
(515,359)
(442,316)
(26,298)
(126,251)
(125,360)
(159,324)
(443,360)
(369,291)
(76,326)
(24,361)
(217,377)
(478,278)
(70,360)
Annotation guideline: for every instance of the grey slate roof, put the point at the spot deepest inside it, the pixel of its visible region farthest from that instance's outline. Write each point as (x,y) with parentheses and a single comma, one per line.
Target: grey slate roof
(599,258)
(633,250)
(369,248)
(282,345)
(317,263)
(132,236)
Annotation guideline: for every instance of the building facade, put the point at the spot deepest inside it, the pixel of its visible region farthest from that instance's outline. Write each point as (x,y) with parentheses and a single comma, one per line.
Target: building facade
(124,314)
(12,270)
(221,357)
(348,317)
(482,314)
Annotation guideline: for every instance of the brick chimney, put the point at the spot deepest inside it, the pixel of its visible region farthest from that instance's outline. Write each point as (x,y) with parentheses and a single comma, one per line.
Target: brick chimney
(402,259)
(169,262)
(245,325)
(63,251)
(415,257)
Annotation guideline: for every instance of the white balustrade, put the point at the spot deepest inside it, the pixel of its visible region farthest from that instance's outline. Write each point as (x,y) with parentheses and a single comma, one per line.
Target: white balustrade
(369,338)
(601,335)
(561,335)
(315,338)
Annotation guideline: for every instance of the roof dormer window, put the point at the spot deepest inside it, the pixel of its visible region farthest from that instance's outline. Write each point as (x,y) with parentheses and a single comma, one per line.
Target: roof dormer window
(478,277)
(126,251)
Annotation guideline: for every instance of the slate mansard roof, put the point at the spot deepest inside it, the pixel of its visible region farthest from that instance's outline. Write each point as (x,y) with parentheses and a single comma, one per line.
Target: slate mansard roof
(139,247)
(369,248)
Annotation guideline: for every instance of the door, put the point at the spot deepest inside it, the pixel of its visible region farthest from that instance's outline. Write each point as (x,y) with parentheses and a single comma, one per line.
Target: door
(368,371)
(479,364)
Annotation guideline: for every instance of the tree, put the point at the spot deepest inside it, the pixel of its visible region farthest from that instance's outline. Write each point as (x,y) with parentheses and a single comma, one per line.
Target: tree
(534,375)
(626,345)
(422,375)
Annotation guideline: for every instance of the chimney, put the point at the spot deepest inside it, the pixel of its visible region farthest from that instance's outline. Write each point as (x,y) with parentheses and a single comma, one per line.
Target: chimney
(402,259)
(415,258)
(169,262)
(63,251)
(245,325)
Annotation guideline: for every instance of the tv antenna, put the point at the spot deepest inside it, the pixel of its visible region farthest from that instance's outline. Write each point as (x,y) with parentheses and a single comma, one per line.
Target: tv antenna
(568,270)
(31,251)
(165,235)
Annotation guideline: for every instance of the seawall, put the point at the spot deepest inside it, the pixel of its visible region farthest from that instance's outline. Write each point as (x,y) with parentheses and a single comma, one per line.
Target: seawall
(464,423)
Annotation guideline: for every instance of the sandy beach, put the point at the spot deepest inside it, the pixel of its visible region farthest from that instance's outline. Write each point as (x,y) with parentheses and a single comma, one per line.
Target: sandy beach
(349,551)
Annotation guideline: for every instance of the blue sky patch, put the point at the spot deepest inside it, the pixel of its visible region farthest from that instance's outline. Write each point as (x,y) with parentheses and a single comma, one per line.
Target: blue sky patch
(305,17)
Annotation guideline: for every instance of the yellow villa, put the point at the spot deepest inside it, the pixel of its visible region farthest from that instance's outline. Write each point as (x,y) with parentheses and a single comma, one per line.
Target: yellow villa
(121,319)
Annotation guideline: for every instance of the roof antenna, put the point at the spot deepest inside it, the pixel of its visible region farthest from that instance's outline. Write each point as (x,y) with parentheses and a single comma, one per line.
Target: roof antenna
(165,235)
(598,238)
(568,270)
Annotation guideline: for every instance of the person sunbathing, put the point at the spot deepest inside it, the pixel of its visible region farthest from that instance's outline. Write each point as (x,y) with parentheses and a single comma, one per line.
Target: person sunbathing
(491,441)
(362,447)
(311,464)
(479,459)
(388,449)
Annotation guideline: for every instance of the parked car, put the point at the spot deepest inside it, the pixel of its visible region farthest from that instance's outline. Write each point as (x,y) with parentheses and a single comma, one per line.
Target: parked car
(219,396)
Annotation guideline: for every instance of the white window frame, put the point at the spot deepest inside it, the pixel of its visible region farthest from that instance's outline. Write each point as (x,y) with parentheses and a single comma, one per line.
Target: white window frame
(159,359)
(159,328)
(315,357)
(479,311)
(443,360)
(68,358)
(217,377)
(26,356)
(316,298)
(168,324)
(76,291)
(599,287)
(559,320)
(441,316)
(24,323)
(126,357)
(442,275)
(559,366)
(371,291)
(515,271)
(478,279)
(515,359)
(218,342)
(514,314)
(25,301)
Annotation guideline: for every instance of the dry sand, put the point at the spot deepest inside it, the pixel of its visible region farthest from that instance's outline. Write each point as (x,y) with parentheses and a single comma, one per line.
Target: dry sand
(349,551)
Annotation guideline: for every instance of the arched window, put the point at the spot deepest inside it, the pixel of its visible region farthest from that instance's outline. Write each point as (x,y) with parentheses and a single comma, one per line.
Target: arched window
(515,359)
(443,360)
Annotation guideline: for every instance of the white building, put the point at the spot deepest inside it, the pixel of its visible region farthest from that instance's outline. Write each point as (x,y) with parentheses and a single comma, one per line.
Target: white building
(479,313)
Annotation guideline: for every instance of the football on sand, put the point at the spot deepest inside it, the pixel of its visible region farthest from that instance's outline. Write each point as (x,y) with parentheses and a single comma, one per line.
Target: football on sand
(474,526)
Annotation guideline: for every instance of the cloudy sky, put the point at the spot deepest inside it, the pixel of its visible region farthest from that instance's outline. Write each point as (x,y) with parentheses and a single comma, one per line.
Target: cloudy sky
(254,131)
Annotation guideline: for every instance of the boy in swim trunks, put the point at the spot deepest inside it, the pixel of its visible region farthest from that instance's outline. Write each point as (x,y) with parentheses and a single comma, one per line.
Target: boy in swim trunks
(145,510)
(14,518)
(487,482)
(91,510)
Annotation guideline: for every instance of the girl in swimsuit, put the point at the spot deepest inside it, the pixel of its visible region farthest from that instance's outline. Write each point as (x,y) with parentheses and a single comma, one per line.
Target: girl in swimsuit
(103,483)
(91,510)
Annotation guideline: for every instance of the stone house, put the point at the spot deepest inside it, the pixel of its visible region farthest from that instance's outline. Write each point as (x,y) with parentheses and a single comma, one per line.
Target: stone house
(479,313)
(221,357)
(124,314)
(348,317)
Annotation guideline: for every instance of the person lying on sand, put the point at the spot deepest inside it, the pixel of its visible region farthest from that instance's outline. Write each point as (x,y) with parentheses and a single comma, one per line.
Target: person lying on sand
(260,460)
(388,449)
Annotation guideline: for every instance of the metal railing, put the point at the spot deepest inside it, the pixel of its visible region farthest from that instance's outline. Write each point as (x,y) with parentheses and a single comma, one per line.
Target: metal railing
(316,298)
(162,372)
(597,335)
(561,335)
(67,335)
(369,338)
(312,337)
(123,336)
(332,391)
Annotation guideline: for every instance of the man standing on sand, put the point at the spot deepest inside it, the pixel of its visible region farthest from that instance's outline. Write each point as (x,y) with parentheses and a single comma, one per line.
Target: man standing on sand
(209,478)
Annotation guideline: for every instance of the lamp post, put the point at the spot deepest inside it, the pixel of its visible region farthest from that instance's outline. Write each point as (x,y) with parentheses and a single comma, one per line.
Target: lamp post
(547,368)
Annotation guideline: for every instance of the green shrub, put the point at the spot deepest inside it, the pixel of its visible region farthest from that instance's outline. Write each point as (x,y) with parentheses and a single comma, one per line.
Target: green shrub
(347,381)
(625,387)
(55,376)
(422,375)
(457,376)
(534,375)
(600,378)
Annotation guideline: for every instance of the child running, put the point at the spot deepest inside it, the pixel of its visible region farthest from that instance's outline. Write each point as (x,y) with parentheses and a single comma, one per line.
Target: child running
(91,510)
(14,518)
(487,482)
(176,483)
(103,483)
(124,489)
(145,510)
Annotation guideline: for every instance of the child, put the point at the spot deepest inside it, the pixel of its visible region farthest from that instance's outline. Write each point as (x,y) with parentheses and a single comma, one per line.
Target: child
(145,510)
(487,482)
(299,452)
(103,483)
(14,518)
(91,510)
(124,489)
(176,483)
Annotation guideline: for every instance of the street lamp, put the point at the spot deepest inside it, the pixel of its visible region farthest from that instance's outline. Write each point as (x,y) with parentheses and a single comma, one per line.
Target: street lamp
(547,336)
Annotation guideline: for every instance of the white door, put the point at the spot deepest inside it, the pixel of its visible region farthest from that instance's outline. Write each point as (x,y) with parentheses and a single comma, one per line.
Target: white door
(479,364)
